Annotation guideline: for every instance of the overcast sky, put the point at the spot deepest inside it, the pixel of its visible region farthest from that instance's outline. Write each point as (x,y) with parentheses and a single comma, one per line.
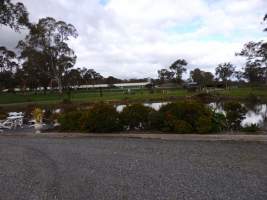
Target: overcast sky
(135,38)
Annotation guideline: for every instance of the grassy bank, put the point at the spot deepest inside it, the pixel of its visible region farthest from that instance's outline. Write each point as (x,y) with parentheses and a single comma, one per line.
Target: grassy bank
(244,92)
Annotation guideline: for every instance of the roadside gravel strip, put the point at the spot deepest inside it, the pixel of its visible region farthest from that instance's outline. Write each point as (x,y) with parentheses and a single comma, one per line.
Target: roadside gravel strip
(33,168)
(262,137)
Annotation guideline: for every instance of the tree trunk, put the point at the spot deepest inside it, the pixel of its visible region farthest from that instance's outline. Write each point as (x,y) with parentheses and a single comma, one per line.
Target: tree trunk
(100,92)
(59,82)
(45,89)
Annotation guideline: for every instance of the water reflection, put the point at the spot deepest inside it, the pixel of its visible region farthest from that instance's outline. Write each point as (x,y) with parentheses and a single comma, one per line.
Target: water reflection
(257,114)
(155,106)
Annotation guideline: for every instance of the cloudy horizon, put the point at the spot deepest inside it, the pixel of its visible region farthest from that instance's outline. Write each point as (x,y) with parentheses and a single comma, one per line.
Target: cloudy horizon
(134,39)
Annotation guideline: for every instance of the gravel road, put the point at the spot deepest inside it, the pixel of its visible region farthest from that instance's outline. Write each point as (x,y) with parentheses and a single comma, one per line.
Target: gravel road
(122,169)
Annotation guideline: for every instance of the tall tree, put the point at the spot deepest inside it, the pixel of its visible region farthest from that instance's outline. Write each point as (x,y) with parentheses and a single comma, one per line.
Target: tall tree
(224,71)
(50,38)
(13,15)
(179,68)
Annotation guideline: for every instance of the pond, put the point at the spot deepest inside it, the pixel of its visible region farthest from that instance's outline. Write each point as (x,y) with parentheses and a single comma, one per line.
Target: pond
(257,114)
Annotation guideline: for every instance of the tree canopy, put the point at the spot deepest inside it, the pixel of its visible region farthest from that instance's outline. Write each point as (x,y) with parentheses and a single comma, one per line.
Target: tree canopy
(48,38)
(13,15)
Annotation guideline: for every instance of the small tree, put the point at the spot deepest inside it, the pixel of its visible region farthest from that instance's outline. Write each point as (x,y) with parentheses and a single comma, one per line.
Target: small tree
(224,72)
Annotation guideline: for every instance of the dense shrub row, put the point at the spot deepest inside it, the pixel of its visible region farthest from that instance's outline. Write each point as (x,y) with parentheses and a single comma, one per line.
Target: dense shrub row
(180,117)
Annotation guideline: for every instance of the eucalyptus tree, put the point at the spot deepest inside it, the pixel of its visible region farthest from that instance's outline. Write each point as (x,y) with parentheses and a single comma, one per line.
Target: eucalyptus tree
(224,72)
(13,15)
(179,68)
(49,37)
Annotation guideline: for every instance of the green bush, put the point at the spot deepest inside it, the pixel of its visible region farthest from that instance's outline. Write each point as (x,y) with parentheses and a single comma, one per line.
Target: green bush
(235,113)
(190,111)
(101,118)
(181,117)
(70,121)
(68,107)
(204,124)
(156,120)
(182,127)
(136,116)
(169,122)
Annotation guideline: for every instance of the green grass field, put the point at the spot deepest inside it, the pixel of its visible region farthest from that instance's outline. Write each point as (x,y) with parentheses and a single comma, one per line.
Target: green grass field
(88,96)
(13,99)
(244,92)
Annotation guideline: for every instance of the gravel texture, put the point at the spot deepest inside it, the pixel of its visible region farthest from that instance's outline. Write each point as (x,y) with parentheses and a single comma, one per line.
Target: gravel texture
(122,169)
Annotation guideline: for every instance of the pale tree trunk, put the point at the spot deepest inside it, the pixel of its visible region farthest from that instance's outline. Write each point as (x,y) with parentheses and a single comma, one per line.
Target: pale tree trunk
(59,82)
(226,84)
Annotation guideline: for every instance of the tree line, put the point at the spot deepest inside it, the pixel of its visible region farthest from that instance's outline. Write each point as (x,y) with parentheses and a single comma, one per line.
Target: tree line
(44,59)
(254,72)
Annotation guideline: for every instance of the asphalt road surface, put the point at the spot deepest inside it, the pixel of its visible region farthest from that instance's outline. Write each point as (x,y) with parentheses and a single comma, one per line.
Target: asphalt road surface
(121,169)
